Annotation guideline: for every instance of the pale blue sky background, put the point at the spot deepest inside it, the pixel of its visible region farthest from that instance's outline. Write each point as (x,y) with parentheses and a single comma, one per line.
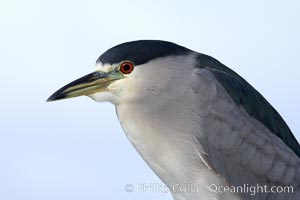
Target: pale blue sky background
(76,149)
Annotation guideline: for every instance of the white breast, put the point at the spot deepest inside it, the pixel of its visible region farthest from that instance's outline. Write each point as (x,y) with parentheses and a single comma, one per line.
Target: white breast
(172,155)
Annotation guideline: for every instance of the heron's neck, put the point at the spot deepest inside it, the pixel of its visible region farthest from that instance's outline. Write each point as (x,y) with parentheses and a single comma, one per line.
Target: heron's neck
(169,150)
(160,145)
(168,146)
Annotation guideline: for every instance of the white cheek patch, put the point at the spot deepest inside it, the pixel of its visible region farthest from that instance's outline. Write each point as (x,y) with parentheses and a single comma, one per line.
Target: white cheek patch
(104,96)
(104,68)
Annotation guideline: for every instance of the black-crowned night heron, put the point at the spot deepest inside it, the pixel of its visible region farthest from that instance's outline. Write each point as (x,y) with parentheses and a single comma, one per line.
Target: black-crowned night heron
(195,122)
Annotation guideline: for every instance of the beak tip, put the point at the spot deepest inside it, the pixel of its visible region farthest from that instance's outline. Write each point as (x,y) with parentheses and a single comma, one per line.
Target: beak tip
(56,97)
(49,99)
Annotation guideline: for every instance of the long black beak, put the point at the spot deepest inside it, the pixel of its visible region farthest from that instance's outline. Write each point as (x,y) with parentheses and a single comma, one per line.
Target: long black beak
(89,84)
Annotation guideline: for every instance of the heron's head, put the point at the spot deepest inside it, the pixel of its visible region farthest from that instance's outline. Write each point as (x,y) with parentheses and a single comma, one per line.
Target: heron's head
(130,71)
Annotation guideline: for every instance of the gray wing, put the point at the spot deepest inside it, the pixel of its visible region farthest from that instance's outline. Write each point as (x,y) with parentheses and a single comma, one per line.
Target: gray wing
(247,141)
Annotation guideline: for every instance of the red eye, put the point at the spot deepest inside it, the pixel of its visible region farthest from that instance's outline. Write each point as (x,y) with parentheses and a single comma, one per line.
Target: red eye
(126,67)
